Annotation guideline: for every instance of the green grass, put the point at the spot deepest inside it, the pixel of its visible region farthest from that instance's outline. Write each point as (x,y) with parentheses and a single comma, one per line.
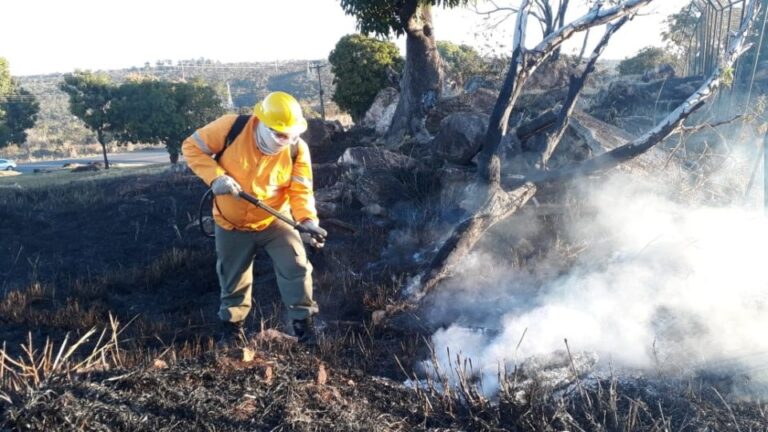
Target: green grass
(65,176)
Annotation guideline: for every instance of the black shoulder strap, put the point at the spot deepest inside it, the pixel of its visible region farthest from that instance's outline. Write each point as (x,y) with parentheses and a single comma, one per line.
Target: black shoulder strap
(234,131)
(238,127)
(294,151)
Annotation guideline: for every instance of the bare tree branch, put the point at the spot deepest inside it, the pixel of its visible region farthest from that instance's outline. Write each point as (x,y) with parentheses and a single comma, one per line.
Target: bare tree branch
(524,62)
(670,124)
(496,8)
(574,90)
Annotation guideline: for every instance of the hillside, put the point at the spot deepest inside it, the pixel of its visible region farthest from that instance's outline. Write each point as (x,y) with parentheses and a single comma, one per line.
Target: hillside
(58,129)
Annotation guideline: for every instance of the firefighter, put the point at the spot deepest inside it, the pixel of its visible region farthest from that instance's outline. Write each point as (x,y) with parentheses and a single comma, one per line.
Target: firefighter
(269,160)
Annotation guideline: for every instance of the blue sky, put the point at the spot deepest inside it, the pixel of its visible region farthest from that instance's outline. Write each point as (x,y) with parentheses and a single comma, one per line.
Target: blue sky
(46,36)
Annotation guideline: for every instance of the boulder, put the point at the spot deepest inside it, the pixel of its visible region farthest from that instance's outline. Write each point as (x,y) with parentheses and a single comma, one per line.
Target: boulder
(635,106)
(661,72)
(327,209)
(332,193)
(90,167)
(378,188)
(374,158)
(373,175)
(460,137)
(381,112)
(320,133)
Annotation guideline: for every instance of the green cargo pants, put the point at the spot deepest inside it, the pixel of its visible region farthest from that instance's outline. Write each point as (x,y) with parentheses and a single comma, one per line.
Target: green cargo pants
(235,251)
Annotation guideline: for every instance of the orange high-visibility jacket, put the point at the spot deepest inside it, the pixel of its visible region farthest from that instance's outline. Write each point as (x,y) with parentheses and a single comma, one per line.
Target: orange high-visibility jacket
(272,179)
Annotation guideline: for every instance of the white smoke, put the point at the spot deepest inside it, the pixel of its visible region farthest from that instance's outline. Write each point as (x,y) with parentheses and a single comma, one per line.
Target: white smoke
(661,286)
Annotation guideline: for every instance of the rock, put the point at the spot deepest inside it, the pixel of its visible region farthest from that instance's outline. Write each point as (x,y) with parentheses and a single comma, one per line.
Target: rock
(327,209)
(460,137)
(483,100)
(333,193)
(87,168)
(378,187)
(635,106)
(598,135)
(320,133)
(374,158)
(378,316)
(381,112)
(374,174)
(661,72)
(374,210)
(588,136)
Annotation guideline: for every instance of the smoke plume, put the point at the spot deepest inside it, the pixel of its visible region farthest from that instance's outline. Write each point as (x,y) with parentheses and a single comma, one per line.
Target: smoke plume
(655,285)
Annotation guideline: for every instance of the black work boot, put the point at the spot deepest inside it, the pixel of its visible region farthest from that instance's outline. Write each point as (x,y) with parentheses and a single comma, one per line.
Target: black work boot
(304,329)
(231,334)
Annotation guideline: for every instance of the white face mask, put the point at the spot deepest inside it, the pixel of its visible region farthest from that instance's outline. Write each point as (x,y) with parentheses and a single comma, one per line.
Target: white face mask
(269,143)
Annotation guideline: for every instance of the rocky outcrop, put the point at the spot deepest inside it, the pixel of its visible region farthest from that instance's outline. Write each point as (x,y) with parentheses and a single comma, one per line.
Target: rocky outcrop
(460,137)
(320,133)
(381,112)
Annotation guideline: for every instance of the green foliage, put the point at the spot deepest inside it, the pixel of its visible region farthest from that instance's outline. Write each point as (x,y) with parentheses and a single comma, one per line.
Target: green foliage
(388,17)
(89,97)
(5,77)
(460,62)
(19,114)
(361,66)
(680,31)
(647,58)
(18,109)
(164,112)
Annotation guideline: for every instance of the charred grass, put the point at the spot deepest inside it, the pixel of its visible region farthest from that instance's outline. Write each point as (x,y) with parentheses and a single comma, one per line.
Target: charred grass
(107,310)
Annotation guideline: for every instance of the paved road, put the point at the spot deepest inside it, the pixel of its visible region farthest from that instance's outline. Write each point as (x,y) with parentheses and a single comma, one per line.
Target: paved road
(145,157)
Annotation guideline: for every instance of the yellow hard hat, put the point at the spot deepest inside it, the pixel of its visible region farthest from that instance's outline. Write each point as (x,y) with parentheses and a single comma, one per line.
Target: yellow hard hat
(281,112)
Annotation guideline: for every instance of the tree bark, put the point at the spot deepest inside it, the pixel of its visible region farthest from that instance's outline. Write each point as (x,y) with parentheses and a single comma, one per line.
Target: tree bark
(498,206)
(100,138)
(422,80)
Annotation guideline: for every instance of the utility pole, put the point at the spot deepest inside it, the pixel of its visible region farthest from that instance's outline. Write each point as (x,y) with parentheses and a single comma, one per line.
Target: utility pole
(317,67)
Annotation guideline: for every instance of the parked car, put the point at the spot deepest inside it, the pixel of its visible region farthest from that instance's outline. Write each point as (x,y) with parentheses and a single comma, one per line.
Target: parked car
(7,165)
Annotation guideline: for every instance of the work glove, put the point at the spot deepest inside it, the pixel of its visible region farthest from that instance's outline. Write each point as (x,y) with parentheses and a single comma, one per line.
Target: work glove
(315,236)
(226,185)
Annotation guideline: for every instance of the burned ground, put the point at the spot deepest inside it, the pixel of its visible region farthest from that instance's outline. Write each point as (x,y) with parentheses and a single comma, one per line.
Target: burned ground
(74,256)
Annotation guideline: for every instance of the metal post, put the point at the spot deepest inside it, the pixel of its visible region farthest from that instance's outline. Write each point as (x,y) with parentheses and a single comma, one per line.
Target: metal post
(765,172)
(317,67)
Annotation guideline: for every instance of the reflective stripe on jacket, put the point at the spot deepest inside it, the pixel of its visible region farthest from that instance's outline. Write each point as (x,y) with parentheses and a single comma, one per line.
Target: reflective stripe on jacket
(272,179)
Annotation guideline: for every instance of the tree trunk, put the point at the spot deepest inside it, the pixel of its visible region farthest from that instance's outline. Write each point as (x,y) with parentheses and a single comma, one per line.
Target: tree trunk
(498,206)
(174,156)
(422,80)
(100,138)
